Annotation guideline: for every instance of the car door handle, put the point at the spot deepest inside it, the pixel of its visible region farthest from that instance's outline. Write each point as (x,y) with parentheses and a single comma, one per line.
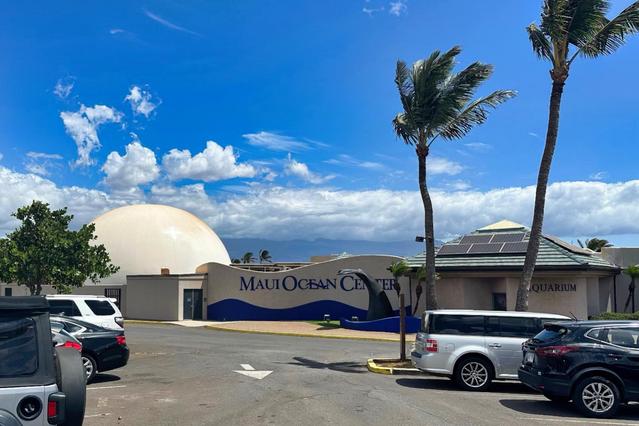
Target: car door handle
(494,345)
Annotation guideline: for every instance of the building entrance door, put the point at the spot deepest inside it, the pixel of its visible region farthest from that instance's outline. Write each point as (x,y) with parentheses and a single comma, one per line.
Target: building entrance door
(192,304)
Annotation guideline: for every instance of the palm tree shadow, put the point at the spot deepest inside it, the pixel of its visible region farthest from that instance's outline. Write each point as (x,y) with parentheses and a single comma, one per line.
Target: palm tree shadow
(342,367)
(548,408)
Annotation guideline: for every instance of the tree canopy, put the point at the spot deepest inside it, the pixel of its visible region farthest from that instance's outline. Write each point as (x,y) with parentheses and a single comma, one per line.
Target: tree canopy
(44,251)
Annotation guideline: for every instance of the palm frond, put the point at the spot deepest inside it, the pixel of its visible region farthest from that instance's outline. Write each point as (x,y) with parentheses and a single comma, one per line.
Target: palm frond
(540,44)
(586,16)
(474,114)
(405,129)
(555,18)
(404,85)
(611,34)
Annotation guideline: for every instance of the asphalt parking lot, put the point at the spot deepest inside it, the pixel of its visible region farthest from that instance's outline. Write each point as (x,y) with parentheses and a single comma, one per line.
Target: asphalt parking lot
(192,376)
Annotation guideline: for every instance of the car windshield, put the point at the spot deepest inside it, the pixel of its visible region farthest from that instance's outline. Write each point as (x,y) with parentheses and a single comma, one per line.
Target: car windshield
(550,333)
(18,347)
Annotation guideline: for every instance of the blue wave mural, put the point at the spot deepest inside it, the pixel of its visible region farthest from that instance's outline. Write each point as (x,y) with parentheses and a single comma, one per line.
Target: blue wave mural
(390,324)
(236,310)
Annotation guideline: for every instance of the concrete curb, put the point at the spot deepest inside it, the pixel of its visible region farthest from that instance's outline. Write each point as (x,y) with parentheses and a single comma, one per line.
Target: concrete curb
(374,366)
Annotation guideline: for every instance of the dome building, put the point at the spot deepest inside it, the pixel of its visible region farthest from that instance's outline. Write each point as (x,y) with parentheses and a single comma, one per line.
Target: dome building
(141,239)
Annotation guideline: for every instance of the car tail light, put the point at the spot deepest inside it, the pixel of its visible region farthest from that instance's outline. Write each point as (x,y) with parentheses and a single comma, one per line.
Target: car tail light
(56,408)
(119,321)
(431,345)
(121,340)
(74,345)
(555,351)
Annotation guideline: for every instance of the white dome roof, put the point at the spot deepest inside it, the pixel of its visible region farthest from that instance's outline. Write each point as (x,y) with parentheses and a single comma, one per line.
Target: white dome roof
(141,239)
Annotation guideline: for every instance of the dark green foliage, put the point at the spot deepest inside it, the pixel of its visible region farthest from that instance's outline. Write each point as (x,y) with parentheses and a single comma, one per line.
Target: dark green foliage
(617,316)
(43,251)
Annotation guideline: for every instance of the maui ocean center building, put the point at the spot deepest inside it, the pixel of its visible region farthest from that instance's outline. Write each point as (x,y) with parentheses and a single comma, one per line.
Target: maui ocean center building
(173,267)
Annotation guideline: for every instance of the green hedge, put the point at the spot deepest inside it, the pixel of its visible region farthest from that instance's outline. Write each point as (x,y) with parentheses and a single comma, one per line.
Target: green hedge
(617,316)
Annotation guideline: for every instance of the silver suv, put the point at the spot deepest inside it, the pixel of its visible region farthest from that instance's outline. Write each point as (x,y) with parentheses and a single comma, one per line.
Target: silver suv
(475,347)
(39,385)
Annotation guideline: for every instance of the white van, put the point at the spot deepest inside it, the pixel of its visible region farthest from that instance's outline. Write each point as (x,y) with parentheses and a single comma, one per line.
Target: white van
(475,347)
(98,310)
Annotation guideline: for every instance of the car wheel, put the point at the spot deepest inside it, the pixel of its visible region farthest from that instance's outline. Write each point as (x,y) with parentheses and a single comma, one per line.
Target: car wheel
(474,374)
(557,398)
(597,397)
(90,367)
(71,380)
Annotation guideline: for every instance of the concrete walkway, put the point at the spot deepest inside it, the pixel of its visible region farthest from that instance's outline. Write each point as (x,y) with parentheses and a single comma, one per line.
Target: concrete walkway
(291,328)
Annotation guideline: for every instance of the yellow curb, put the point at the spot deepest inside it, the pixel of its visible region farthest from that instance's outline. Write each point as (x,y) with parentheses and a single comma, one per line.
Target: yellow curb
(128,321)
(374,367)
(286,333)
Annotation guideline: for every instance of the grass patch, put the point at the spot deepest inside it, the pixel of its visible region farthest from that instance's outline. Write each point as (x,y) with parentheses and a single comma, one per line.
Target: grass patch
(617,316)
(325,324)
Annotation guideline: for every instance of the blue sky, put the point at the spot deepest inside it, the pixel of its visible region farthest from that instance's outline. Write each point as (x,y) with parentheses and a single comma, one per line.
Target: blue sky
(295,101)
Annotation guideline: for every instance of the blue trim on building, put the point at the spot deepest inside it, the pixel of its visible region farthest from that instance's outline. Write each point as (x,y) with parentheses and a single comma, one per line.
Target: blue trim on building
(236,310)
(390,324)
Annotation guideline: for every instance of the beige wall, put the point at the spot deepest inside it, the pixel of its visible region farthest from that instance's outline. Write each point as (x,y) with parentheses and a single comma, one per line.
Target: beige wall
(153,297)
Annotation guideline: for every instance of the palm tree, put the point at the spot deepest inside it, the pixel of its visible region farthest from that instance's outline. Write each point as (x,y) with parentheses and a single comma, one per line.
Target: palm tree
(633,273)
(399,269)
(437,104)
(264,256)
(235,260)
(421,276)
(596,244)
(248,257)
(569,29)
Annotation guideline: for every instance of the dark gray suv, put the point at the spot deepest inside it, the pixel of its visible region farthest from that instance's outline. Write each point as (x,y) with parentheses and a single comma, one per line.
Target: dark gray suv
(39,384)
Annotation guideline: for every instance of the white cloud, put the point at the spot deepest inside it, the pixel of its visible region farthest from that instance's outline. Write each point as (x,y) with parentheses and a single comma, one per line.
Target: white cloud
(478,146)
(347,160)
(136,167)
(277,142)
(370,11)
(43,155)
(39,163)
(397,7)
(114,31)
(459,185)
(443,166)
(213,164)
(140,101)
(601,175)
(533,134)
(82,126)
(293,167)
(63,87)
(168,24)
(573,208)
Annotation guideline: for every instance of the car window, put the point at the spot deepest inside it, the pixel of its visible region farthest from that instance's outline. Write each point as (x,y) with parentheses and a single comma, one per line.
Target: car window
(551,333)
(100,307)
(518,327)
(457,324)
(18,347)
(64,307)
(626,336)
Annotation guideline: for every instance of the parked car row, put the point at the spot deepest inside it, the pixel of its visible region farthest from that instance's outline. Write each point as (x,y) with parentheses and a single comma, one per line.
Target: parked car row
(594,364)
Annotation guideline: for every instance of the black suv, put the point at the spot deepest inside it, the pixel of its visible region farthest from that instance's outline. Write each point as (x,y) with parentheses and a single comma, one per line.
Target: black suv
(39,384)
(593,363)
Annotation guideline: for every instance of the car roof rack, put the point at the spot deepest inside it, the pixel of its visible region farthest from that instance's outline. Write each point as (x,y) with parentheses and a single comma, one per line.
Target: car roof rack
(24,303)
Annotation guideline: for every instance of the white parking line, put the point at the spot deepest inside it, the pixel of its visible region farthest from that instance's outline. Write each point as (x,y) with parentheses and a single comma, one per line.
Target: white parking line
(97,415)
(247,367)
(107,387)
(589,421)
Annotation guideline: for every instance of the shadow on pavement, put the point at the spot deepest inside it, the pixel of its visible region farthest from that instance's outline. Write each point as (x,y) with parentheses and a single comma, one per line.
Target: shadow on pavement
(549,408)
(342,367)
(444,384)
(105,378)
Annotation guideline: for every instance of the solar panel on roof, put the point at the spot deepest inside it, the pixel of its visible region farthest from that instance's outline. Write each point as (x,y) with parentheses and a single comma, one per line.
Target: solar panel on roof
(519,247)
(508,238)
(485,248)
(448,249)
(473,239)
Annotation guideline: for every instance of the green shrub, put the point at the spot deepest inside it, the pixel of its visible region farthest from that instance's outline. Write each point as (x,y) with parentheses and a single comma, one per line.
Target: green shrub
(617,316)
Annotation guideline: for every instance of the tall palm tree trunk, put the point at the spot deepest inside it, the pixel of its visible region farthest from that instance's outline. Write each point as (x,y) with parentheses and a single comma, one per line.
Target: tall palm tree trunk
(540,195)
(431,293)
